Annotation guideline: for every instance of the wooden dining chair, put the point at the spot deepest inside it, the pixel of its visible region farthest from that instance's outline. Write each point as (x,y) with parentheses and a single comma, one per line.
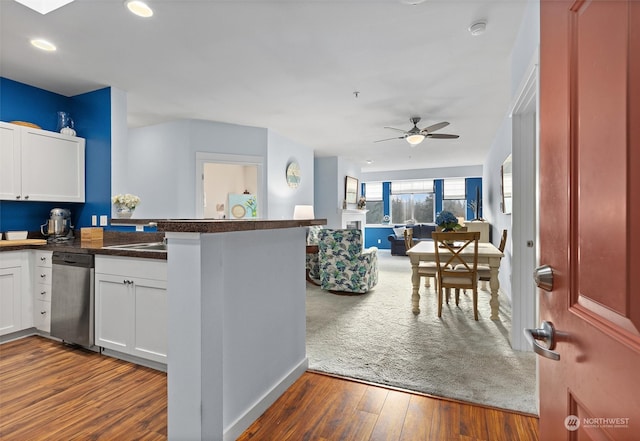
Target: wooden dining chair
(453,270)
(484,272)
(427,270)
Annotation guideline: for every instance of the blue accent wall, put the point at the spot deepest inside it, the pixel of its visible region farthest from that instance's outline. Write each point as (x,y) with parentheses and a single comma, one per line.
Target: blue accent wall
(438,189)
(386,198)
(94,124)
(21,102)
(372,235)
(92,114)
(473,187)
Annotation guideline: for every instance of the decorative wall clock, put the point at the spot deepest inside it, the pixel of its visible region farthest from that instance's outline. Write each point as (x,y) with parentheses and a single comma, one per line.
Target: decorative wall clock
(293,174)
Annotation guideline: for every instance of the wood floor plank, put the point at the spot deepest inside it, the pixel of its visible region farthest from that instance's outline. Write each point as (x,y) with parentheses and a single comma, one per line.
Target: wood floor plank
(51,392)
(445,421)
(373,400)
(417,424)
(473,424)
(392,417)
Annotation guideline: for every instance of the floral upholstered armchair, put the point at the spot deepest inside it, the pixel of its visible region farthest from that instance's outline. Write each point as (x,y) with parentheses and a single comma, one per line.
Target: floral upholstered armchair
(312,261)
(344,265)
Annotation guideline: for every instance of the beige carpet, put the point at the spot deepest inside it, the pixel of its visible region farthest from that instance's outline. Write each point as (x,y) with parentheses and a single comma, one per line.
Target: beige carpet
(375,337)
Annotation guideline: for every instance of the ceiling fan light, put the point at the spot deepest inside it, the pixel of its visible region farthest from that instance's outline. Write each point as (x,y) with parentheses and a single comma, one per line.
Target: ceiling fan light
(139,8)
(415,139)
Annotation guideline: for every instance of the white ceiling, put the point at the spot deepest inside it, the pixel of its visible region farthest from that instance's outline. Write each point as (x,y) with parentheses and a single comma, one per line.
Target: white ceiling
(290,65)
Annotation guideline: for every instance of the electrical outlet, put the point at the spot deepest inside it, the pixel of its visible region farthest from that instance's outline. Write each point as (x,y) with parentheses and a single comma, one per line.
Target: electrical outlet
(103,220)
(379,241)
(94,220)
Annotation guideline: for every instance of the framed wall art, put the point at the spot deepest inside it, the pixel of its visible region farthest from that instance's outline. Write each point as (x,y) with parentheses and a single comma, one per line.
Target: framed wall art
(350,190)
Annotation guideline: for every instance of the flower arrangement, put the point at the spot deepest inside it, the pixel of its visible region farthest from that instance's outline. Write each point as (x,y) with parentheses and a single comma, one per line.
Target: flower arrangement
(129,201)
(447,221)
(362,202)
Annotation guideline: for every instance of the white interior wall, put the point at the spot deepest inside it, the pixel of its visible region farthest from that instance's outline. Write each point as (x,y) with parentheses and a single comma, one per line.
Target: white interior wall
(330,186)
(160,161)
(326,190)
(281,198)
(524,50)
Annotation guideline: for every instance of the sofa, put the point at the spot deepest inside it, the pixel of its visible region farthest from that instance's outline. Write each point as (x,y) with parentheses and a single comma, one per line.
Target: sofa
(420,232)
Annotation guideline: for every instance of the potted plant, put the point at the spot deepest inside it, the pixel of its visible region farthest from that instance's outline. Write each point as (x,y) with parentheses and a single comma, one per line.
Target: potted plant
(447,221)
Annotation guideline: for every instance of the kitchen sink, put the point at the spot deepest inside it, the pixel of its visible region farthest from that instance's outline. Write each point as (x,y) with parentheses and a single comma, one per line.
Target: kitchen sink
(148,246)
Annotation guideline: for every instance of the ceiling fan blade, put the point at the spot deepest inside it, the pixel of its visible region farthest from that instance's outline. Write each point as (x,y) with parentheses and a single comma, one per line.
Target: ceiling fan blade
(389,139)
(441,136)
(399,130)
(434,127)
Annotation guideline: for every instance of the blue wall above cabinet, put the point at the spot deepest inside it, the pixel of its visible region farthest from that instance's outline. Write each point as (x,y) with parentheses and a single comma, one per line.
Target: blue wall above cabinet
(92,114)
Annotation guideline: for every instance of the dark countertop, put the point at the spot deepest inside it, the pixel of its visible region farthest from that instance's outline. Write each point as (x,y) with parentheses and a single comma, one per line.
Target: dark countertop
(164,225)
(97,247)
(230,225)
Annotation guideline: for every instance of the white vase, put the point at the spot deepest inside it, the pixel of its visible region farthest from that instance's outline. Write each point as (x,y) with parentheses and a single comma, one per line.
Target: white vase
(123,212)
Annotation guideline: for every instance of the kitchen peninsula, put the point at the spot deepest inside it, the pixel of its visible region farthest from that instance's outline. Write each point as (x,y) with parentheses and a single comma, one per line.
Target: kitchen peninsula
(237,323)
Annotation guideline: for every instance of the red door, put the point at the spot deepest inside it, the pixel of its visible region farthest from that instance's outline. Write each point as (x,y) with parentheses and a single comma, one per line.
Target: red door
(590,218)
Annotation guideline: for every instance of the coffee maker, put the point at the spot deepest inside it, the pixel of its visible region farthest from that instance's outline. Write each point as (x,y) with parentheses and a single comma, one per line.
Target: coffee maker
(58,227)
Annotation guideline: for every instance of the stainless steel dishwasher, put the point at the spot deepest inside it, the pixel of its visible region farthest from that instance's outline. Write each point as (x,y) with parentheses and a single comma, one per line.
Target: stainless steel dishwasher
(72,297)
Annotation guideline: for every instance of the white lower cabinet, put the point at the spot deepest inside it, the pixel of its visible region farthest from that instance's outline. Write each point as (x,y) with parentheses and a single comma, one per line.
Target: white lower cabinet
(16,305)
(131,306)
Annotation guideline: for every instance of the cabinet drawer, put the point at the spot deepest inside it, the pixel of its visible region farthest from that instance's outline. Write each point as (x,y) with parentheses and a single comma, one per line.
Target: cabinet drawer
(43,259)
(132,267)
(43,292)
(42,315)
(42,275)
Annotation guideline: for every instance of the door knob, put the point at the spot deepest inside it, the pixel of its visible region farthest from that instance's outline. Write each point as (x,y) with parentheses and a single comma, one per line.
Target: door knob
(547,334)
(543,275)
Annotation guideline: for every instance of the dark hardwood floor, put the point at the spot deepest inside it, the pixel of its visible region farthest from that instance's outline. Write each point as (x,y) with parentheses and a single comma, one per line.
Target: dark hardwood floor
(53,392)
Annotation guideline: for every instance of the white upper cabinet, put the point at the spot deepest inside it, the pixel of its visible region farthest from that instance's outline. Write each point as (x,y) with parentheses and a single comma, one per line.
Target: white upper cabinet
(38,165)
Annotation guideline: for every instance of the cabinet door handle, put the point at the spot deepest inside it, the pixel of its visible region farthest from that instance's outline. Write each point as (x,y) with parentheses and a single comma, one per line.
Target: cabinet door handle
(44,259)
(26,197)
(43,275)
(43,293)
(43,312)
(18,197)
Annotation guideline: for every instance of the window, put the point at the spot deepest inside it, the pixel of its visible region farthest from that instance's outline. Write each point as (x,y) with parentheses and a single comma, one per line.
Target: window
(412,200)
(375,204)
(455,197)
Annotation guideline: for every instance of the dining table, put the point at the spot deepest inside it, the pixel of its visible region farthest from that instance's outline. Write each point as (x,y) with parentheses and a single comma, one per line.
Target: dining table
(488,254)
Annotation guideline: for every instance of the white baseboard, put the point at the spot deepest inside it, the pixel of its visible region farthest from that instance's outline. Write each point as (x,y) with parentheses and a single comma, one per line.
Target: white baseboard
(136,360)
(238,427)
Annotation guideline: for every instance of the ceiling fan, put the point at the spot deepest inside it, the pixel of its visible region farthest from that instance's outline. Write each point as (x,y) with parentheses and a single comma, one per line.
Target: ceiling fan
(415,135)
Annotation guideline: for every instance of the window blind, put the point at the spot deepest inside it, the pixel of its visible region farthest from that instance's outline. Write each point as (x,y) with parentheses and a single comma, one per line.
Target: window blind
(409,187)
(373,191)
(454,189)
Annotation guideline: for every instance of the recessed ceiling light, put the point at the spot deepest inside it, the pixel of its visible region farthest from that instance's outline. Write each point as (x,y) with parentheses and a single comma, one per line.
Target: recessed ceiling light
(369,161)
(478,27)
(43,44)
(44,6)
(412,2)
(140,8)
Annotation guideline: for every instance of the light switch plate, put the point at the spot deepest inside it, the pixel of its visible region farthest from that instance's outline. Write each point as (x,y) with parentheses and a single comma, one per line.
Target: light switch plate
(103,220)
(94,220)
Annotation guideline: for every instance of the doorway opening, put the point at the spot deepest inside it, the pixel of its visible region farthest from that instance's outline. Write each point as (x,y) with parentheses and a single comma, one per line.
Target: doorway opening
(221,176)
